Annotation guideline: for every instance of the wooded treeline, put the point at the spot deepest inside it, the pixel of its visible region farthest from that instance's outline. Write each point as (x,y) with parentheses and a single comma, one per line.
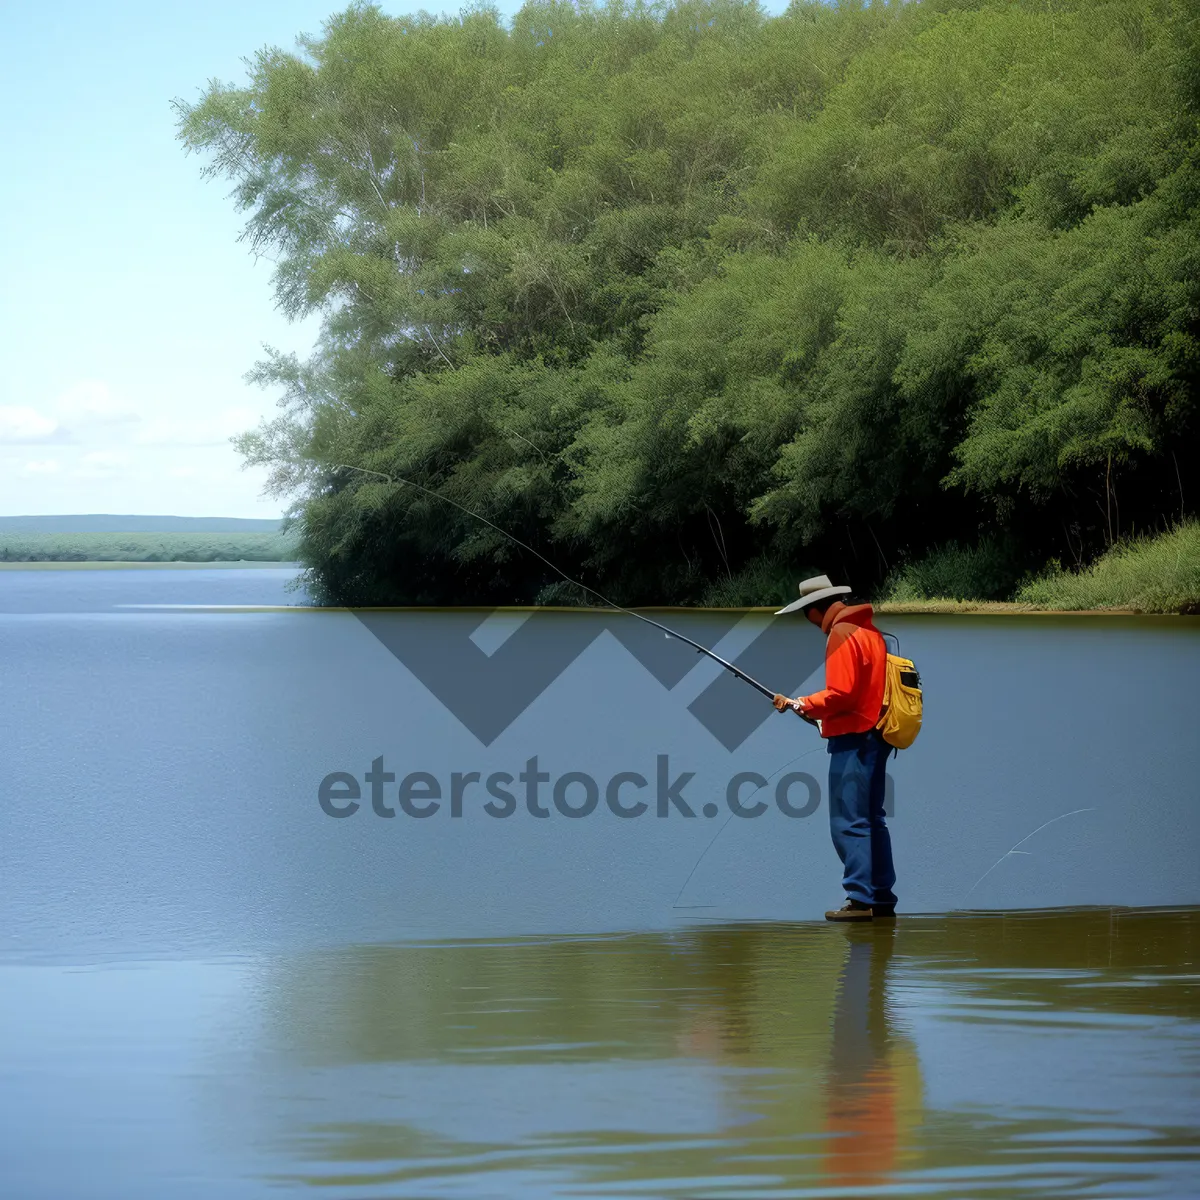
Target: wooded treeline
(697,301)
(147,547)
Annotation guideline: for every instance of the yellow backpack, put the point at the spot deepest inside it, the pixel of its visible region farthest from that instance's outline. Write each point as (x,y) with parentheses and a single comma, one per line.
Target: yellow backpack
(900,717)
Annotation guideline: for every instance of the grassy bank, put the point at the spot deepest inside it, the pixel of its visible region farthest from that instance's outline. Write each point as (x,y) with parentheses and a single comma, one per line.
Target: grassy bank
(1153,575)
(1158,574)
(138,548)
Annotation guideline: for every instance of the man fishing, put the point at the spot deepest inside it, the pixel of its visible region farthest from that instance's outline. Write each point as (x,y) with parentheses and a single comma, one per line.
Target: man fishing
(848,709)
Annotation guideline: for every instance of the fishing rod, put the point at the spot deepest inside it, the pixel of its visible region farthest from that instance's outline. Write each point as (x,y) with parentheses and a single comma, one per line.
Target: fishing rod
(672,633)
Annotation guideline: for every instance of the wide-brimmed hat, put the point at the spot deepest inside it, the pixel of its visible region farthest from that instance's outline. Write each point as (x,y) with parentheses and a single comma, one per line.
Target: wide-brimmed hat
(819,587)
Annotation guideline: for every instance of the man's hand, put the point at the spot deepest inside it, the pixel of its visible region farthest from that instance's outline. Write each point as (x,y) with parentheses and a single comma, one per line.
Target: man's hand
(782,704)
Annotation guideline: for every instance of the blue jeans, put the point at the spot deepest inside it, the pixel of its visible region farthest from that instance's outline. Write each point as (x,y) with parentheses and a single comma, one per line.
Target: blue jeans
(857,768)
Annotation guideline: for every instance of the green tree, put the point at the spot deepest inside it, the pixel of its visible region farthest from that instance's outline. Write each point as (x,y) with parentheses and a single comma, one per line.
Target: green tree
(681,294)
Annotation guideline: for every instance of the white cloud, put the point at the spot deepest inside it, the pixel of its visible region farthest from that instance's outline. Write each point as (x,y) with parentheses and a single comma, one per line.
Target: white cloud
(83,445)
(91,402)
(213,430)
(77,415)
(20,423)
(41,466)
(97,464)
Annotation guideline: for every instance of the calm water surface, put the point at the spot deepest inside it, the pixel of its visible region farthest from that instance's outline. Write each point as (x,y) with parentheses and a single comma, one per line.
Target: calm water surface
(1047,1055)
(975,1056)
(87,590)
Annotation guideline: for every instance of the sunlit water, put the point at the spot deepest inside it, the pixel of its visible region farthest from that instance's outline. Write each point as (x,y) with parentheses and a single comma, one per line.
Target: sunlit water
(88,590)
(991,1056)
(1053,1054)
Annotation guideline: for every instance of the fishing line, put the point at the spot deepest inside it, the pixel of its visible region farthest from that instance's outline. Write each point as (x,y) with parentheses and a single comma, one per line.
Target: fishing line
(713,842)
(393,479)
(619,608)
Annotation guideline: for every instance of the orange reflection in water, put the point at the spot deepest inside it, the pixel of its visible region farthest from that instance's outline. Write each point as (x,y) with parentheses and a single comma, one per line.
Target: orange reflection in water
(873,1081)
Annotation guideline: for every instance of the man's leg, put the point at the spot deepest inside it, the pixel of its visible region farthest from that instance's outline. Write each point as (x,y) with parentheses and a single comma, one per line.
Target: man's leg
(883,872)
(850,813)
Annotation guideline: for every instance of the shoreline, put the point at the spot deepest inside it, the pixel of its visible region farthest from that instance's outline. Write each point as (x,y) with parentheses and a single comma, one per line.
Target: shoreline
(927,608)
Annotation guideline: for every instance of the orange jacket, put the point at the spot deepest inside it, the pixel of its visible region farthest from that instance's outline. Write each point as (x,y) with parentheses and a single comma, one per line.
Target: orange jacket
(855,664)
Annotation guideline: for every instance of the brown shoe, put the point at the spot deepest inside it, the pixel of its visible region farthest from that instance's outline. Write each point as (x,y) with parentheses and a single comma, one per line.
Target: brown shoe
(852,910)
(884,912)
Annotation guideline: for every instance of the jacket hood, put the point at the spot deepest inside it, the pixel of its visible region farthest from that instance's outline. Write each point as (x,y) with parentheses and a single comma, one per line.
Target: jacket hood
(847,614)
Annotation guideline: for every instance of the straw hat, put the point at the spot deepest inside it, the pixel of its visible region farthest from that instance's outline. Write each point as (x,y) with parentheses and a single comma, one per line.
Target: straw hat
(811,590)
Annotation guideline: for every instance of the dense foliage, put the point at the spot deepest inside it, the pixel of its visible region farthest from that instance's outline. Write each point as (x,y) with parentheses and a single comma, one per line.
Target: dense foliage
(696,300)
(148,547)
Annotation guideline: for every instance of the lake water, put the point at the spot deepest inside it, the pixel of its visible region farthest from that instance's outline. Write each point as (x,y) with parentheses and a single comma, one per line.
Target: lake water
(238,1044)
(84,590)
(984,1056)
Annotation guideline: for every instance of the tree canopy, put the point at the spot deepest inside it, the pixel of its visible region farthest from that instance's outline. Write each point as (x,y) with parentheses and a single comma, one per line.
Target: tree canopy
(693,299)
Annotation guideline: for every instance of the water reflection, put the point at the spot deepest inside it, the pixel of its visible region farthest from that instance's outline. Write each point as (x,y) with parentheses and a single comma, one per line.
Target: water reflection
(627,1058)
(755,1060)
(981,1056)
(873,1085)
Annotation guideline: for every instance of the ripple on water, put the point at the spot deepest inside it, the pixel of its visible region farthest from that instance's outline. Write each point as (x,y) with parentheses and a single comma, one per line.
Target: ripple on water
(995,1056)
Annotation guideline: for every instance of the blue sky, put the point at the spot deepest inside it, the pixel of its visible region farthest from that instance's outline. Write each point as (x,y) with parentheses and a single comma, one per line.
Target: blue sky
(129,311)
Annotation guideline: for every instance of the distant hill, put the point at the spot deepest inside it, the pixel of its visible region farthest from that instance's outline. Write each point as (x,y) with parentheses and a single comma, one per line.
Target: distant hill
(109,523)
